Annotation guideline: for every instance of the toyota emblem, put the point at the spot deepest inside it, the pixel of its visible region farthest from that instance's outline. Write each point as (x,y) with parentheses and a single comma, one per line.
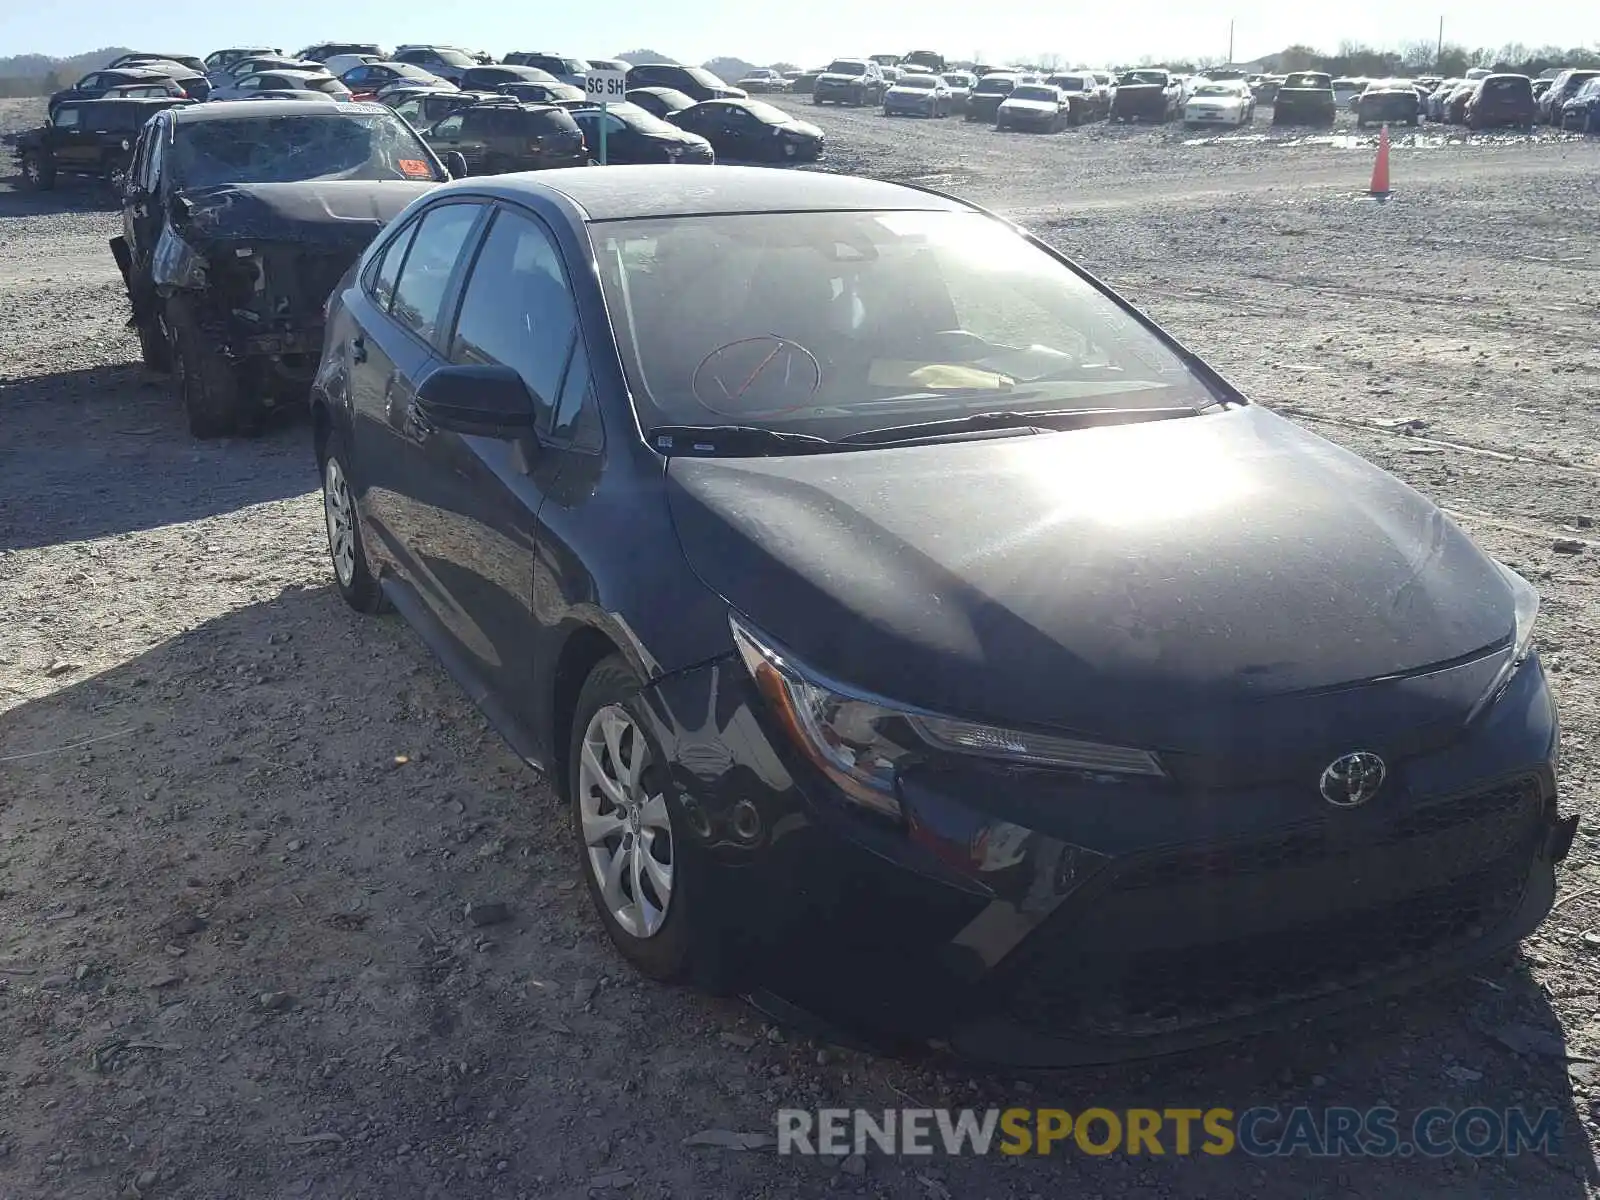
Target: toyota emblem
(1353,779)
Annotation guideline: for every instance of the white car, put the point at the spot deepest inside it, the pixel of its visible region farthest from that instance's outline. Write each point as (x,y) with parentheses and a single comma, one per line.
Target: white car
(284,81)
(1034,106)
(1220,102)
(340,63)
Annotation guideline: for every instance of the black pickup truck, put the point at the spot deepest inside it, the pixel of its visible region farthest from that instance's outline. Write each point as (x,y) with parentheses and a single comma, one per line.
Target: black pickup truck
(85,137)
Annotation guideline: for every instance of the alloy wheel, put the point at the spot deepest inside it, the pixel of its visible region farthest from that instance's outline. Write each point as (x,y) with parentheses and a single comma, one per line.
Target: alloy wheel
(626,827)
(30,170)
(340,514)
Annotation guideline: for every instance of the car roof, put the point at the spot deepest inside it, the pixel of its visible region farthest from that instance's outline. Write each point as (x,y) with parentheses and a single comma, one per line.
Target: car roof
(624,192)
(225,110)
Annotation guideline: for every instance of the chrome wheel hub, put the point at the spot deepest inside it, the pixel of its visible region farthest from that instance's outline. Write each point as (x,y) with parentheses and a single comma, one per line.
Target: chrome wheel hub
(340,514)
(626,829)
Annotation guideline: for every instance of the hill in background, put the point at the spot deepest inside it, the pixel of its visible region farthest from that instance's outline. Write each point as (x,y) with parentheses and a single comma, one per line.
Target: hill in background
(35,74)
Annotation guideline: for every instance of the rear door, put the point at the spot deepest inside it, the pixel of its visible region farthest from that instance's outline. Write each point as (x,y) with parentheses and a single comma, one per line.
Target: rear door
(71,144)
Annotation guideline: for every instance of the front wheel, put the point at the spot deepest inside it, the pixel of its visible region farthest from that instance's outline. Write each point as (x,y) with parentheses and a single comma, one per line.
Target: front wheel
(38,174)
(155,347)
(204,380)
(347,550)
(628,840)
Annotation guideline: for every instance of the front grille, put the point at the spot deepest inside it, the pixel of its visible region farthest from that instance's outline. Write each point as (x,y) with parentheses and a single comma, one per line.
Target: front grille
(1199,937)
(1470,829)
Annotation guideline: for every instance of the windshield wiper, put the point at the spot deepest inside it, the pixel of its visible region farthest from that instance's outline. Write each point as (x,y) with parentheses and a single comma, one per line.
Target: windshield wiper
(1067,418)
(733,439)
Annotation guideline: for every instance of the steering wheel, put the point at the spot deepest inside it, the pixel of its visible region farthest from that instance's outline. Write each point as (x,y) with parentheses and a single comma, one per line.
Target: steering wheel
(736,377)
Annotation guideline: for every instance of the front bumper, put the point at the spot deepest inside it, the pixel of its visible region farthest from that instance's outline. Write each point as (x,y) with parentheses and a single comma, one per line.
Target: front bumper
(910,108)
(1035,918)
(1216,116)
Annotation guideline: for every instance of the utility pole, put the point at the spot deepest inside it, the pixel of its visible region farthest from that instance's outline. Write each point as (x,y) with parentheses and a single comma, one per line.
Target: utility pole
(1230,43)
(1438,56)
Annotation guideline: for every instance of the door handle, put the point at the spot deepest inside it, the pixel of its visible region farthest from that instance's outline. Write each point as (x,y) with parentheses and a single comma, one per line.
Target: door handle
(358,349)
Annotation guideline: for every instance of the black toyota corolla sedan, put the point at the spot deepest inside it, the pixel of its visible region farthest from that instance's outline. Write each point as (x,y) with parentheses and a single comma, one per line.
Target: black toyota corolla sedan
(916,632)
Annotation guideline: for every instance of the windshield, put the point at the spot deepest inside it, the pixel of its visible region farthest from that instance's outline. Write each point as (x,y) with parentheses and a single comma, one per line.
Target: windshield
(1136,78)
(846,66)
(958,80)
(1034,93)
(455,58)
(1068,83)
(918,81)
(329,85)
(288,149)
(832,323)
(704,77)
(996,85)
(1216,89)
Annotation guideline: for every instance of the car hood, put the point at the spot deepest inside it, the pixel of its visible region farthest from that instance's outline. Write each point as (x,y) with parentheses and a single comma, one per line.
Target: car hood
(334,210)
(1038,106)
(1139,89)
(1216,101)
(840,77)
(911,93)
(802,128)
(1148,583)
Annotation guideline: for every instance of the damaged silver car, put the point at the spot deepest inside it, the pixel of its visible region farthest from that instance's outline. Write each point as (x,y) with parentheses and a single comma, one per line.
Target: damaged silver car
(237,222)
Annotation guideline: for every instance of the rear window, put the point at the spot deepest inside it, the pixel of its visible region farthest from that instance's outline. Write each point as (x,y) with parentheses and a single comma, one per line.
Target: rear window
(847,66)
(329,86)
(1034,93)
(918,81)
(1305,80)
(1067,83)
(550,120)
(1144,78)
(1508,84)
(996,85)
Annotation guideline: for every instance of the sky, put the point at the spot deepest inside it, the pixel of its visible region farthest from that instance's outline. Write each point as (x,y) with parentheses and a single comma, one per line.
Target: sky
(807,34)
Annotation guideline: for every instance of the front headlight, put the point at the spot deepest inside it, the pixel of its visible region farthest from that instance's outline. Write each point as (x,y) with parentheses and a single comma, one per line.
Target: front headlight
(859,742)
(1524,612)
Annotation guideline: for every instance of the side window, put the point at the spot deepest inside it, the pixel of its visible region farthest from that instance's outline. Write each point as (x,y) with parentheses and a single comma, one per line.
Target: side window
(381,279)
(477,123)
(450,127)
(89,82)
(419,294)
(577,416)
(518,310)
(68,118)
(411,110)
(156,137)
(252,84)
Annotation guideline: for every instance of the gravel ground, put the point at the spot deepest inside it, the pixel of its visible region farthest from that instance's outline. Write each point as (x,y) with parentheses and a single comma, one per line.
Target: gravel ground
(239,826)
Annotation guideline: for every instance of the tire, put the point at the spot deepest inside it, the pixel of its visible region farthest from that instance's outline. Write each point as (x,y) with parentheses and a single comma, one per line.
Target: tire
(646,912)
(205,383)
(38,174)
(347,547)
(155,350)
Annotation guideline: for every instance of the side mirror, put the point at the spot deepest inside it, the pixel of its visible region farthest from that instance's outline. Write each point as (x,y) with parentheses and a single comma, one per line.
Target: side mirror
(491,401)
(456,164)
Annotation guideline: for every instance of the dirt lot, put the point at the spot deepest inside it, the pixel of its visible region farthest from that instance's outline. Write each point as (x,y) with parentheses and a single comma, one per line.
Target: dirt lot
(238,825)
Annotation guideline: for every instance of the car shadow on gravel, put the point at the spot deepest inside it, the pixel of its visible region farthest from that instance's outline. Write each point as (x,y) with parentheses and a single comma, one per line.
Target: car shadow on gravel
(104,450)
(68,196)
(264,859)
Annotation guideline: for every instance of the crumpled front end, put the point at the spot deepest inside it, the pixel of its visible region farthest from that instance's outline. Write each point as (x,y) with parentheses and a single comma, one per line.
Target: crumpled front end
(265,259)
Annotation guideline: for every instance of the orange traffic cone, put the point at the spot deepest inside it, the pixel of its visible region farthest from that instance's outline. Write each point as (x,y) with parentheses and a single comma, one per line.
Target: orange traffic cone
(1380,169)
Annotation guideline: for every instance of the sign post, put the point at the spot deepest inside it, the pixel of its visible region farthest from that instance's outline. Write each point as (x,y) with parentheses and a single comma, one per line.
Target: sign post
(608,87)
